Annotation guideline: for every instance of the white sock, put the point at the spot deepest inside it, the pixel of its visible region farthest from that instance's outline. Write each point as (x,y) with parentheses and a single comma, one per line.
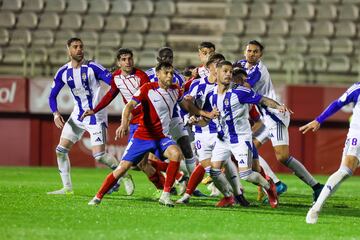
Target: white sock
(331,186)
(268,170)
(183,168)
(232,175)
(220,181)
(190,164)
(254,177)
(300,171)
(64,166)
(107,159)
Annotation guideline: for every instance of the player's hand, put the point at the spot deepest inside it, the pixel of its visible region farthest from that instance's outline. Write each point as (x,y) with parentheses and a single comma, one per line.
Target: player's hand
(121,131)
(283,109)
(188,97)
(87,113)
(192,120)
(213,114)
(58,120)
(314,126)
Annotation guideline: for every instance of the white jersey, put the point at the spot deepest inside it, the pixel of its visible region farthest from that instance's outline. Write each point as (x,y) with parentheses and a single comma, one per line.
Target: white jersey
(203,71)
(85,87)
(234,111)
(260,81)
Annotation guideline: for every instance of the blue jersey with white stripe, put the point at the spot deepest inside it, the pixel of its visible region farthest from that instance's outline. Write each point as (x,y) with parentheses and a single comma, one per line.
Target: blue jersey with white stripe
(233,106)
(178,79)
(199,89)
(84,84)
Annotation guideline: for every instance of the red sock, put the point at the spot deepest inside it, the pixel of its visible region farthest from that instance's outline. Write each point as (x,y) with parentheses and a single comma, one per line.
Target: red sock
(179,175)
(159,165)
(171,171)
(108,183)
(195,178)
(158,180)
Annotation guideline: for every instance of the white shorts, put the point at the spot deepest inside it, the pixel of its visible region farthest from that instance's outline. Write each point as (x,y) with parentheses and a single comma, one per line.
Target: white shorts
(242,152)
(352,147)
(177,128)
(278,134)
(204,145)
(73,131)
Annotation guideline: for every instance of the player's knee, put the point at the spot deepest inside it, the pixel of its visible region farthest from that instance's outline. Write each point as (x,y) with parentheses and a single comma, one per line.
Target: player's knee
(61,151)
(245,174)
(215,172)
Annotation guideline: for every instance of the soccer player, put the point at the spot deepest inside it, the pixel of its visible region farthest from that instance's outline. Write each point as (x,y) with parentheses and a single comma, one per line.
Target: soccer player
(177,129)
(235,136)
(276,124)
(83,78)
(205,136)
(205,49)
(127,80)
(351,152)
(239,77)
(158,100)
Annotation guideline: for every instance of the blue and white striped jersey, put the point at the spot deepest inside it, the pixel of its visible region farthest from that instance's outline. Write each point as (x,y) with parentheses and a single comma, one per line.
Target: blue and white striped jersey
(233,106)
(178,79)
(84,84)
(199,89)
(260,81)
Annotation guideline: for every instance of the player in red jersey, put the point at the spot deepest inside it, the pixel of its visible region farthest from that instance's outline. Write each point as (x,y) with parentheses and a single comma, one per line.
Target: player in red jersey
(158,100)
(127,80)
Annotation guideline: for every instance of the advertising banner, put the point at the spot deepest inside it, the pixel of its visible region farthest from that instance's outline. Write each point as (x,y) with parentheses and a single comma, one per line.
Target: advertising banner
(13,94)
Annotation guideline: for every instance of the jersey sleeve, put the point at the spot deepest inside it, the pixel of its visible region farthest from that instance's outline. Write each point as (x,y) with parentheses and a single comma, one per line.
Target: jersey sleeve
(109,96)
(351,95)
(193,88)
(246,95)
(180,93)
(144,78)
(140,94)
(57,85)
(101,73)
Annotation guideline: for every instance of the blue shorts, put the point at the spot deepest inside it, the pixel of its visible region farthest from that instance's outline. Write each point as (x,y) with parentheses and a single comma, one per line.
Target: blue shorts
(137,148)
(133,128)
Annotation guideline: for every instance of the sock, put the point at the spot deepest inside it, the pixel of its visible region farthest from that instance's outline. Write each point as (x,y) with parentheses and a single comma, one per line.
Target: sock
(300,171)
(107,184)
(158,180)
(263,174)
(63,162)
(107,159)
(268,170)
(195,179)
(331,186)
(159,165)
(179,176)
(232,175)
(190,164)
(207,170)
(171,171)
(254,177)
(220,181)
(183,168)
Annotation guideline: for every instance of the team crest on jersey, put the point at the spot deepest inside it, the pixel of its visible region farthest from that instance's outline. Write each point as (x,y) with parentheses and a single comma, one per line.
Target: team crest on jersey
(226,102)
(83,76)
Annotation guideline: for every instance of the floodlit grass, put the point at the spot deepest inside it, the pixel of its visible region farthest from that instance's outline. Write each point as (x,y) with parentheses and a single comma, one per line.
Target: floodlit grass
(27,212)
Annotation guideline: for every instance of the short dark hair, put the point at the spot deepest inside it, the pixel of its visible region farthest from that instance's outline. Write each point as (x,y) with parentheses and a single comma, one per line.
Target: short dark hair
(163,65)
(214,57)
(224,63)
(73,39)
(206,45)
(257,43)
(239,70)
(164,49)
(122,51)
(188,70)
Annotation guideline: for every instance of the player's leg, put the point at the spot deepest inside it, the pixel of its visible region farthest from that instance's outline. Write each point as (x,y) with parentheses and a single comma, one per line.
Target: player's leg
(349,163)
(134,152)
(280,141)
(71,133)
(172,152)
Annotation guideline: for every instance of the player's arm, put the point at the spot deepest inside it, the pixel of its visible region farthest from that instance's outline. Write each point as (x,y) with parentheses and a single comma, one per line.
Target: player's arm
(125,119)
(106,100)
(193,109)
(274,104)
(58,84)
(101,72)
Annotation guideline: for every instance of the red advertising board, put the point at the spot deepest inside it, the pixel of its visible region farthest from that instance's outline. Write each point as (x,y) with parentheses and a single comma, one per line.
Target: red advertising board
(13,94)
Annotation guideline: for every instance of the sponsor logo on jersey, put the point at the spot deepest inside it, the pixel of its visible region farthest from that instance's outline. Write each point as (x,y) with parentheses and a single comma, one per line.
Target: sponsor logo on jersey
(98,139)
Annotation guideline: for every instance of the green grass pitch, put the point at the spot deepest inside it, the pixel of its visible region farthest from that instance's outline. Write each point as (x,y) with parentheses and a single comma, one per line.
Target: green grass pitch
(26,212)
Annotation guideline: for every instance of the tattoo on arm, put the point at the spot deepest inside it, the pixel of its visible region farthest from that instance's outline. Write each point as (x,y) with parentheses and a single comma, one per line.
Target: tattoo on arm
(269,102)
